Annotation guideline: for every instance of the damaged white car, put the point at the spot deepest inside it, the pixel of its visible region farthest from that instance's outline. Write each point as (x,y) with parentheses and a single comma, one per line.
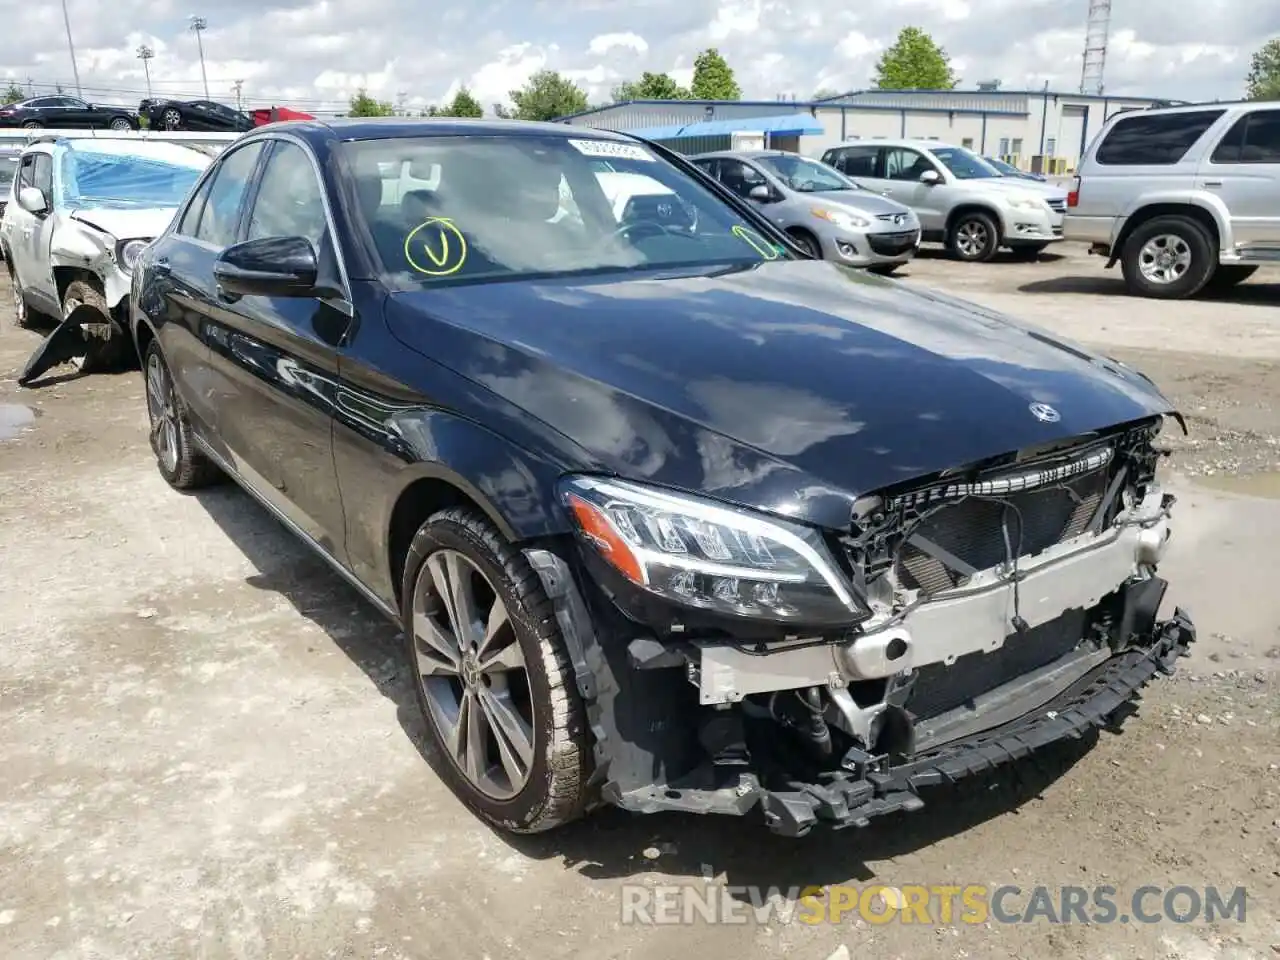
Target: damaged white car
(80,211)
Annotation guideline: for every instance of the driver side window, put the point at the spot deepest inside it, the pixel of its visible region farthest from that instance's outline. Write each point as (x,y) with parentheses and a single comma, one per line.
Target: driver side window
(903,164)
(741,177)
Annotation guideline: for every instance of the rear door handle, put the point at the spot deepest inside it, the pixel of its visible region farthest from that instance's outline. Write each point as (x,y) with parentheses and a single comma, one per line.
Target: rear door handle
(1213,183)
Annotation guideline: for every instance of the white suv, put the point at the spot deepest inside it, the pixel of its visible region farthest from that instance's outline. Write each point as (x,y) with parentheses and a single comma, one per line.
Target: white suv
(1183,198)
(961,199)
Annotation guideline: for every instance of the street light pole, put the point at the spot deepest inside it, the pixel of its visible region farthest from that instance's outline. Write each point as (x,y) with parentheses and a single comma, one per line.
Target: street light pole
(198,26)
(145,54)
(66,19)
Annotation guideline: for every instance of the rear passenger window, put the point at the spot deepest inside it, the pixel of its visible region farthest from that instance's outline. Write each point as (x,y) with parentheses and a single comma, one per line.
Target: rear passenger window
(1255,138)
(1154,139)
(856,163)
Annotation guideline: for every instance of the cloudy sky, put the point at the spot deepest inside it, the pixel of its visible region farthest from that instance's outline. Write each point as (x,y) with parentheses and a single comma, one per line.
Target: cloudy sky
(315,55)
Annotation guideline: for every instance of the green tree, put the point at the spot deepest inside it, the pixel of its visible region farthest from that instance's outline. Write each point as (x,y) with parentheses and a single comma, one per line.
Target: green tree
(547,96)
(713,78)
(13,93)
(463,104)
(914,62)
(363,105)
(650,86)
(1263,82)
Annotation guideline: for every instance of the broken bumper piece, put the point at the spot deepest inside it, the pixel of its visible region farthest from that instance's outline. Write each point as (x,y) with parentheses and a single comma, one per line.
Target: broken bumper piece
(867,786)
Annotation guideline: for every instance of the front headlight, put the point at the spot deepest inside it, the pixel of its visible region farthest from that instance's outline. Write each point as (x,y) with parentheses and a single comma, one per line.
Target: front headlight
(1028,203)
(702,554)
(841,218)
(127,253)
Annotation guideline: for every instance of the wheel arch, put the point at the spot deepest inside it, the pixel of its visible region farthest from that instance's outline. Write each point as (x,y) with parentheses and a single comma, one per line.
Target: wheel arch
(806,233)
(1149,211)
(973,206)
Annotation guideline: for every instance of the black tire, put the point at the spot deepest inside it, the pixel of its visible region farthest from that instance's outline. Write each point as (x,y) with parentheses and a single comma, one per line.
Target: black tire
(106,345)
(189,469)
(1180,237)
(1231,275)
(973,237)
(555,791)
(32,125)
(807,243)
(1030,251)
(21,312)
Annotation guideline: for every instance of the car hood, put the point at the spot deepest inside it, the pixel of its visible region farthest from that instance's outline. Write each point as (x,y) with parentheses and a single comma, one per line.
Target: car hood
(792,386)
(859,201)
(125,223)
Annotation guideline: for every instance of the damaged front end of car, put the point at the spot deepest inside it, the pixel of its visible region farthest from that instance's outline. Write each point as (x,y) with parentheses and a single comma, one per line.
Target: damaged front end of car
(732,661)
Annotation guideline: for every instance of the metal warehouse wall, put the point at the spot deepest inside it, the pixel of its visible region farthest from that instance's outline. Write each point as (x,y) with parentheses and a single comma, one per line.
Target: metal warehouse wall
(634,116)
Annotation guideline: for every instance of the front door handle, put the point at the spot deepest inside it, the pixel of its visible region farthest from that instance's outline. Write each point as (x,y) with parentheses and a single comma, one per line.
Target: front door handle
(1213,183)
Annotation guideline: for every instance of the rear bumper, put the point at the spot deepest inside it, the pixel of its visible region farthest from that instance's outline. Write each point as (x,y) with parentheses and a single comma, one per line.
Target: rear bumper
(868,790)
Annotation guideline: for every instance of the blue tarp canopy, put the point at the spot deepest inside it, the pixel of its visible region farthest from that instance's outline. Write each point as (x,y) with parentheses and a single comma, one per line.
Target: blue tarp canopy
(787,125)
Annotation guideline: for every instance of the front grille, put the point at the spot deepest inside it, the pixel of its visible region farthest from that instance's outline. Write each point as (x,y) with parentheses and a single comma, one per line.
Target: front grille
(891,244)
(973,529)
(939,688)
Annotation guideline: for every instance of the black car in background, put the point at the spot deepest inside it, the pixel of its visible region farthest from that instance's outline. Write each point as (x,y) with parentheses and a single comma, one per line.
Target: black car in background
(671,516)
(194,115)
(66,113)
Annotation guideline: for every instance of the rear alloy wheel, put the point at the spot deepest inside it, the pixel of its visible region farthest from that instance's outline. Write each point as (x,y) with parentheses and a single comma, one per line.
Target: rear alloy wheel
(181,464)
(492,676)
(121,123)
(171,119)
(974,237)
(1168,258)
(32,125)
(104,340)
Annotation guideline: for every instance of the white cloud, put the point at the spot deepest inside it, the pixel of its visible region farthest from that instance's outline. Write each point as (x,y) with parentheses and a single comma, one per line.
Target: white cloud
(602,44)
(314,55)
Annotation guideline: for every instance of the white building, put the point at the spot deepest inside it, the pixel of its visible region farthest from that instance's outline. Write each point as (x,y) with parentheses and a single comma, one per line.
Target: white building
(1035,130)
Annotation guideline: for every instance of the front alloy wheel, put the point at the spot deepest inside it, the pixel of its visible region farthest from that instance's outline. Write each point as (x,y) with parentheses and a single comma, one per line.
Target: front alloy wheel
(492,675)
(181,463)
(21,312)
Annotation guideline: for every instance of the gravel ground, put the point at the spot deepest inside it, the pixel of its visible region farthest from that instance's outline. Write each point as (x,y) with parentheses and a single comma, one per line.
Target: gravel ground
(209,748)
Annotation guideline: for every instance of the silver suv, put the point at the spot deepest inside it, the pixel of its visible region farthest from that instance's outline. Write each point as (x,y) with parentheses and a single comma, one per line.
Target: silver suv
(961,199)
(1183,198)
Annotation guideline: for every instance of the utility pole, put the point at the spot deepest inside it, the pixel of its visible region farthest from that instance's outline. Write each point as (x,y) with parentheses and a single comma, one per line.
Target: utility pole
(198,26)
(238,87)
(66,19)
(145,54)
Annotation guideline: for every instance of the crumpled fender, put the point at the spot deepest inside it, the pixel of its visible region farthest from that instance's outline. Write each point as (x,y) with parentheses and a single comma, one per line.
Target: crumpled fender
(66,342)
(87,249)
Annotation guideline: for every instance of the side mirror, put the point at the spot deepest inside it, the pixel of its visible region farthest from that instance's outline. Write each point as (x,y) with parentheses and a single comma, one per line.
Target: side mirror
(268,267)
(33,200)
(760,192)
(931,177)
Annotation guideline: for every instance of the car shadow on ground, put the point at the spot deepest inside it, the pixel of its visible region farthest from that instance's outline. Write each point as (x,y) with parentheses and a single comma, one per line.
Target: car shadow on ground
(1112,284)
(610,844)
(1002,257)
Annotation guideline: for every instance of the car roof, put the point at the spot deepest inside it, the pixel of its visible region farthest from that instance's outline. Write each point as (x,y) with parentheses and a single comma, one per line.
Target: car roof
(745,154)
(391,128)
(899,142)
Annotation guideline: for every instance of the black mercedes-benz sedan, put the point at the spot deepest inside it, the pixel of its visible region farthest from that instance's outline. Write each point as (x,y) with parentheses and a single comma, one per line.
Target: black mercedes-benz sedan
(672,516)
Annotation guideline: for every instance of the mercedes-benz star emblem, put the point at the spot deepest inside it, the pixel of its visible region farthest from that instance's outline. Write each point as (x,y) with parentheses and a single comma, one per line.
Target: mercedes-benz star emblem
(1045,413)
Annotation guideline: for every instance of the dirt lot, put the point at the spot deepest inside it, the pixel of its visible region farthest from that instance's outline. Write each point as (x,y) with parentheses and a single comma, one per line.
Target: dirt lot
(208,748)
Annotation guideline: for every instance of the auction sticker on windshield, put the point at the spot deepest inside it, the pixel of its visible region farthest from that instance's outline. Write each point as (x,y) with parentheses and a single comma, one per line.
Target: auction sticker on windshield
(611,151)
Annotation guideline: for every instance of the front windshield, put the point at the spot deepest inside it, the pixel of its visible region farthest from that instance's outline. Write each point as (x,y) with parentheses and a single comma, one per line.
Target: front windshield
(447,209)
(1005,168)
(151,177)
(965,164)
(806,176)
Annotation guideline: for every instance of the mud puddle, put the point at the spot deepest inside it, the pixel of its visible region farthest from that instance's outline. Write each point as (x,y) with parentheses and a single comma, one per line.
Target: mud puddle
(14,418)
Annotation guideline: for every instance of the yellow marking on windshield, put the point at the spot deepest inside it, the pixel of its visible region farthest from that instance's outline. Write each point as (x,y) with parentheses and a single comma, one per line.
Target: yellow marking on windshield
(448,259)
(757,243)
